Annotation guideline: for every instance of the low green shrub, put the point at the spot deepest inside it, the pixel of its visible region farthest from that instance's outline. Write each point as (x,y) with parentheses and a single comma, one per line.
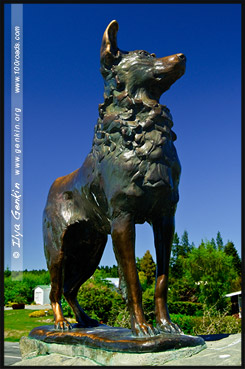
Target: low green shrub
(100,301)
(67,310)
(121,320)
(185,322)
(39,313)
(208,324)
(186,308)
(9,304)
(149,305)
(215,322)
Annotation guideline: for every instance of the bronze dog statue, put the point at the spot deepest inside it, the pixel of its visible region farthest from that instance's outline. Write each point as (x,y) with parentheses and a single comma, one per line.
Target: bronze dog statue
(130,176)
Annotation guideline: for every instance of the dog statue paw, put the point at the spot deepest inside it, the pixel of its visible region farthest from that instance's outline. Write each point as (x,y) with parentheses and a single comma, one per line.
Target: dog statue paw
(166,326)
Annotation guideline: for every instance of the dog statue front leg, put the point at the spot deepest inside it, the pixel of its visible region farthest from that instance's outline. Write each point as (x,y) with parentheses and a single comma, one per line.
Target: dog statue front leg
(123,237)
(163,236)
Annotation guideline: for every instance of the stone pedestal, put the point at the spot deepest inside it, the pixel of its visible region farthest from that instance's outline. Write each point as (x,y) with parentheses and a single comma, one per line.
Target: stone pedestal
(105,346)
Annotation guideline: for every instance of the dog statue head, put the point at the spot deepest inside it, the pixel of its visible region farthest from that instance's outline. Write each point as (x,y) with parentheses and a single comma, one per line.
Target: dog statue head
(138,73)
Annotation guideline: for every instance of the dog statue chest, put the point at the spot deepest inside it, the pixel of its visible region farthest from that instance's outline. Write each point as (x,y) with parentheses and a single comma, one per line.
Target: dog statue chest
(135,153)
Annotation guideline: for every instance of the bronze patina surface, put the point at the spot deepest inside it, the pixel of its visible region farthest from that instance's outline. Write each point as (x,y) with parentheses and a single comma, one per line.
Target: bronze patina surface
(130,176)
(115,339)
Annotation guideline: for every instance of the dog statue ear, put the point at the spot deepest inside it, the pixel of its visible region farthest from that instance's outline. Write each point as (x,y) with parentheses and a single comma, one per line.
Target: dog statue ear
(109,47)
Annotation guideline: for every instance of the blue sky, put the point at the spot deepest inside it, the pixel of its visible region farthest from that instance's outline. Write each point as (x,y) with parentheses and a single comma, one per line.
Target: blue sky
(63,87)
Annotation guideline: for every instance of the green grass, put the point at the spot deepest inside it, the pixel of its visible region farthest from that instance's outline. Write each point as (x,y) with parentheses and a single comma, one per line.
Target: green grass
(17,323)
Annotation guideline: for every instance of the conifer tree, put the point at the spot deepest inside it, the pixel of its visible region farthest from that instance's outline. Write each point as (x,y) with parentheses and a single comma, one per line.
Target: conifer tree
(148,266)
(175,246)
(186,247)
(230,250)
(219,241)
(213,243)
(176,267)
